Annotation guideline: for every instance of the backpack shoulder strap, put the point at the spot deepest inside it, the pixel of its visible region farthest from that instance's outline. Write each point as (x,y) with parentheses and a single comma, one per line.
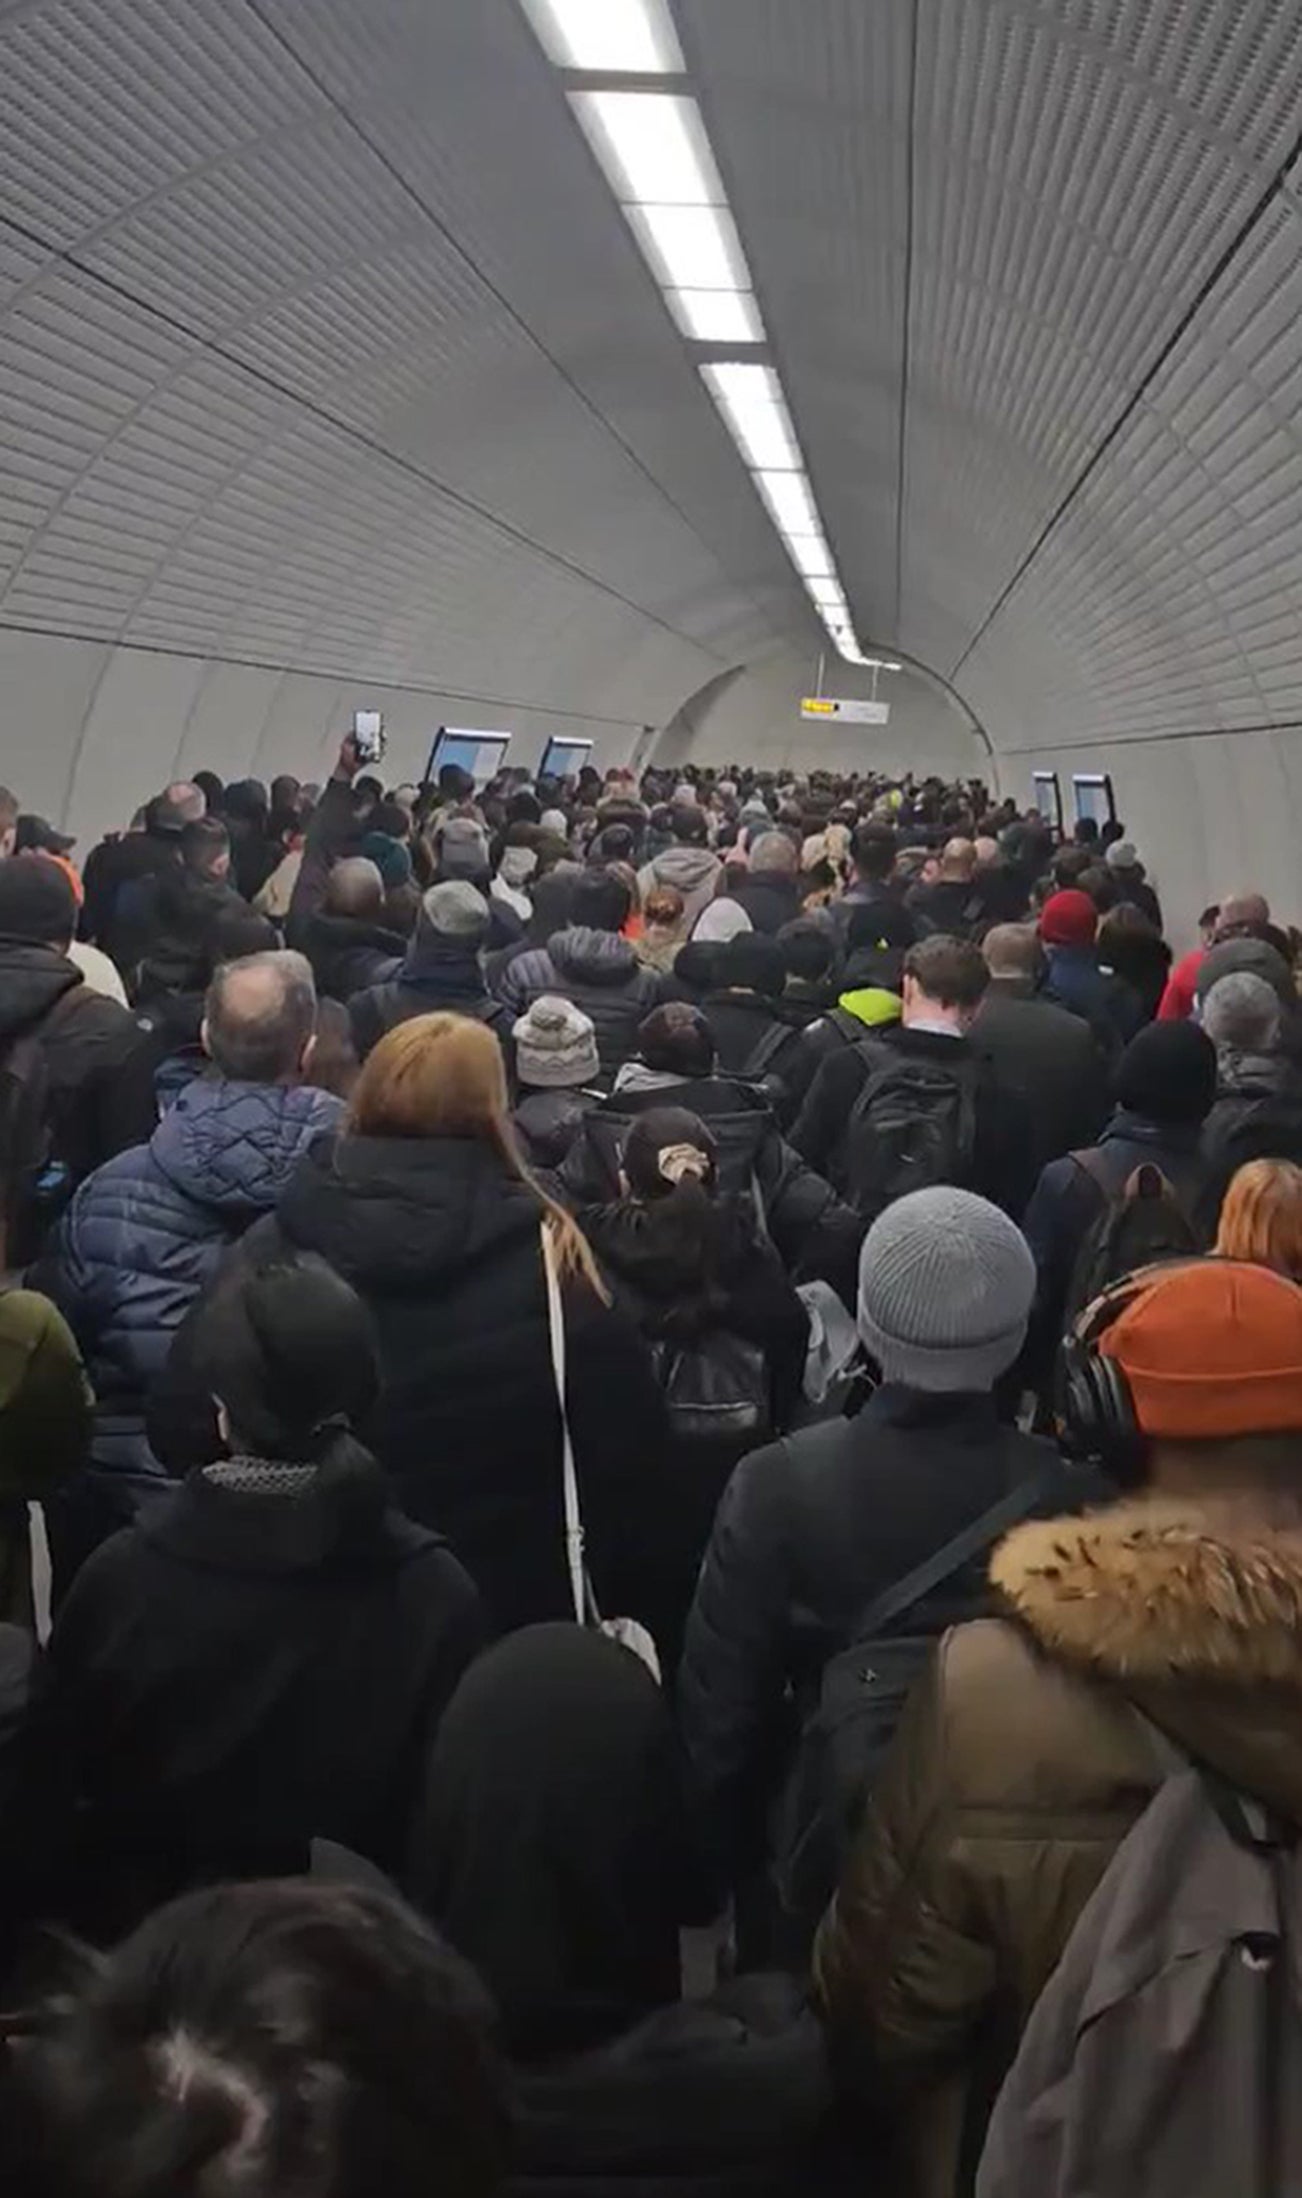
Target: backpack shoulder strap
(766,1050)
(1093,1164)
(917,1585)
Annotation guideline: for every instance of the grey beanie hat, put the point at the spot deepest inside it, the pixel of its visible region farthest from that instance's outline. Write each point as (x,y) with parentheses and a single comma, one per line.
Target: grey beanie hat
(555,1046)
(1122,855)
(946,1284)
(455,910)
(1242,1013)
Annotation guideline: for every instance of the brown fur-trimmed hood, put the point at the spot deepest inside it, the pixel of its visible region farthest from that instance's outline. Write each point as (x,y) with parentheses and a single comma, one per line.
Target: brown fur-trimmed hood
(1153,1590)
(1193,1612)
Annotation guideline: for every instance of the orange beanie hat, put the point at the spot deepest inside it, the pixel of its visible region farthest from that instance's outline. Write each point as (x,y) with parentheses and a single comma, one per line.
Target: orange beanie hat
(1213,1348)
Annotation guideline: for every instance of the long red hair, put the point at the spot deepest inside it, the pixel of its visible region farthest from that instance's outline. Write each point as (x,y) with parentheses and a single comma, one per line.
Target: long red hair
(443,1076)
(1261,1219)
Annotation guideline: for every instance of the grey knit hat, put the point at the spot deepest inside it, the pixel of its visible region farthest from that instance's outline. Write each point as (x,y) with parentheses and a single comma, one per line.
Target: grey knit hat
(463,849)
(946,1284)
(456,910)
(556,1046)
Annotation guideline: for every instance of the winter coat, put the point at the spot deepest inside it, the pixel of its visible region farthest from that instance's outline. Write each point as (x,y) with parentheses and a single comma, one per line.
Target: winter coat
(769,900)
(111,869)
(1019,1768)
(692,871)
(45,1423)
(728,2097)
(437,975)
(445,1249)
(547,1123)
(857,1011)
(1177,1002)
(601,974)
(740,1024)
(349,953)
(1003,1158)
(244,1670)
(952,905)
(1257,1113)
(1050,1057)
(177,915)
(1113,1012)
(675,1304)
(146,1232)
(1068,1200)
(815,1235)
(85,1050)
(809,1532)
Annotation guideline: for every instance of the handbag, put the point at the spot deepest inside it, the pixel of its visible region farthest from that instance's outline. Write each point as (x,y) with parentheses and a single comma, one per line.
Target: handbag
(629,1633)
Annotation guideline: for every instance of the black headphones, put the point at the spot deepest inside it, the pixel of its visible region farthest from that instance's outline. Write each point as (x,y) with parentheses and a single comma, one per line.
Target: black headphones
(1097,1417)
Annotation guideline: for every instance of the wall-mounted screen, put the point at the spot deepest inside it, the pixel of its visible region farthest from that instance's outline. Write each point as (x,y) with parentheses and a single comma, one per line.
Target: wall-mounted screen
(481,754)
(1093,795)
(1048,798)
(564,758)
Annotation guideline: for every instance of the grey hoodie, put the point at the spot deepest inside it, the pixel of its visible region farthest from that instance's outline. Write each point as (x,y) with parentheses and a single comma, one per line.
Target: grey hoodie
(692,871)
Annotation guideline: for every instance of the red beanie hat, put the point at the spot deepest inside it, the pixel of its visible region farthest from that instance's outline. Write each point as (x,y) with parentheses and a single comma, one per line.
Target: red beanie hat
(1069,919)
(1212,1348)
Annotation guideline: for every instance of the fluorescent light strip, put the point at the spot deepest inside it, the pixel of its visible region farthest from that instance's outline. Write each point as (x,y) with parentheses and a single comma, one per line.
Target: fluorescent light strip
(652,146)
(655,152)
(716,316)
(628,37)
(691,247)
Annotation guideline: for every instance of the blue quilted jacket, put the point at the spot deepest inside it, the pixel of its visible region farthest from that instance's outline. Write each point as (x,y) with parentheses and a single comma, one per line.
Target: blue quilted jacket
(146,1232)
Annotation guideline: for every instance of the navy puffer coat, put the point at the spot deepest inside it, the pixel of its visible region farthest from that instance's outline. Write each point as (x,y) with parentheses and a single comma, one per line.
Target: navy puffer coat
(145,1233)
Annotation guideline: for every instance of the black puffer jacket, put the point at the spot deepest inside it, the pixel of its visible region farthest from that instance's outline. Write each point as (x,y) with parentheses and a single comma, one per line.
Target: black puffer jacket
(814,1233)
(809,1532)
(444,1248)
(601,974)
(349,953)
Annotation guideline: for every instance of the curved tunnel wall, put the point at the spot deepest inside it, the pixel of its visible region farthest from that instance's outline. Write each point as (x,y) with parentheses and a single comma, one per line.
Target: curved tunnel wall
(327,360)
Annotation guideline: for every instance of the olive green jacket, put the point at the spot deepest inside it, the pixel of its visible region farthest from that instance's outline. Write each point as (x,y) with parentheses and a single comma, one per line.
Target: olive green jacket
(1018,1769)
(45,1422)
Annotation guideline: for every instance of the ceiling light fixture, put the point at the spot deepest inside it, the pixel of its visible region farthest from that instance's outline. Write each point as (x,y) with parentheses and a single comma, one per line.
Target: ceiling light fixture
(716,316)
(652,146)
(654,150)
(691,247)
(628,37)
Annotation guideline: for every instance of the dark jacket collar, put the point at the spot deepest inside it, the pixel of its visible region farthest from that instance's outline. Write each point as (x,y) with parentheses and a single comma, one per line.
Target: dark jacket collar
(227,1530)
(896,1405)
(1137,1130)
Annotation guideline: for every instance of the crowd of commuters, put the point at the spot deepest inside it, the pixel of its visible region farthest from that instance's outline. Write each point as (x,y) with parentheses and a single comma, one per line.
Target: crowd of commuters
(666,1411)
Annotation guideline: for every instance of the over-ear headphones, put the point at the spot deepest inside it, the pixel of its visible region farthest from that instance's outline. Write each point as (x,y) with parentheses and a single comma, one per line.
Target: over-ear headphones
(1097,1417)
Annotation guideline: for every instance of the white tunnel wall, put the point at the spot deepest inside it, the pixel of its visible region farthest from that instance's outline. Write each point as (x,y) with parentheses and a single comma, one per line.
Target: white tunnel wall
(90,731)
(753,716)
(1210,816)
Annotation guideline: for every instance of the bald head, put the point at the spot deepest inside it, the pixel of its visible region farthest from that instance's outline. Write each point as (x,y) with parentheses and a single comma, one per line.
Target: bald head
(1012,950)
(8,820)
(259,1022)
(958,862)
(1240,912)
(986,852)
(354,888)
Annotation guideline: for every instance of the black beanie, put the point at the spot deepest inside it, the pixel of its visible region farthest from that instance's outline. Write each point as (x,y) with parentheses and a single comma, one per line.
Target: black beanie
(37,902)
(1168,1073)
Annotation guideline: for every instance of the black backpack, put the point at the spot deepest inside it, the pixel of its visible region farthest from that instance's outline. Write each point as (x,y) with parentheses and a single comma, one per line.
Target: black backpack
(716,1389)
(861,1698)
(37,1182)
(912,1126)
(1142,1223)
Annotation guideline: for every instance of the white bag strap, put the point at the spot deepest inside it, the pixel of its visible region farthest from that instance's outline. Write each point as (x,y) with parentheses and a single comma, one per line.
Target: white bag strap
(573,1515)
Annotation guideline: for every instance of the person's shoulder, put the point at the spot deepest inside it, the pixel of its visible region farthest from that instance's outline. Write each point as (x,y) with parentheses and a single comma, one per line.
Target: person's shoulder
(1021,1731)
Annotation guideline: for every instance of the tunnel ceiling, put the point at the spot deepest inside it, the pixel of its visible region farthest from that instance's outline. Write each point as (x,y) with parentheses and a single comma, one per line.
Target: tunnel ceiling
(322,343)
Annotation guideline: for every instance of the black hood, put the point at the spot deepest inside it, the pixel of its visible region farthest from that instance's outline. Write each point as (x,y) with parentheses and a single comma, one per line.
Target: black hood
(32,978)
(394,1213)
